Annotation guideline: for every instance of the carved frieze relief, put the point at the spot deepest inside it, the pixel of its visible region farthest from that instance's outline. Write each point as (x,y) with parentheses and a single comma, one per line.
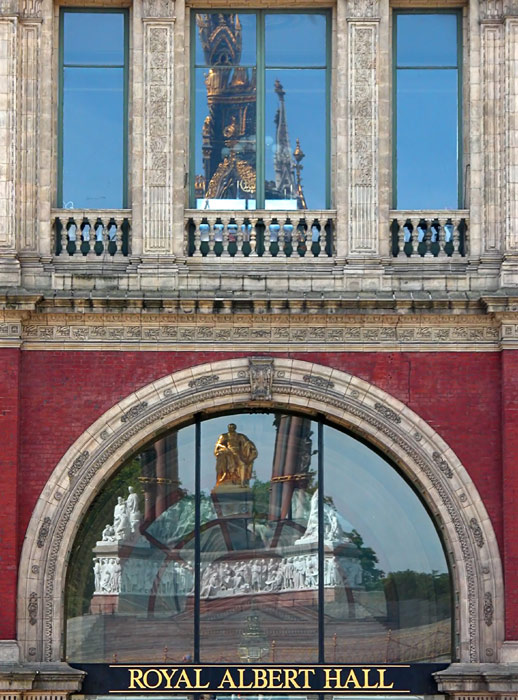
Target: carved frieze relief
(316,332)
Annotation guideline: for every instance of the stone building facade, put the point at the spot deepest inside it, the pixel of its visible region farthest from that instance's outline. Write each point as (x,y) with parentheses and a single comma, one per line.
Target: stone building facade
(399,327)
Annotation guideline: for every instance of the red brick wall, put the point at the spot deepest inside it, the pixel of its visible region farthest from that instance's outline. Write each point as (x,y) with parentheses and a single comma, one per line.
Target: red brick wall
(9,414)
(459,394)
(510,487)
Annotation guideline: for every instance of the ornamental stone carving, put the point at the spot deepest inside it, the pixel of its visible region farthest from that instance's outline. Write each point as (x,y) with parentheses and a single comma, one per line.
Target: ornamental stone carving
(261,378)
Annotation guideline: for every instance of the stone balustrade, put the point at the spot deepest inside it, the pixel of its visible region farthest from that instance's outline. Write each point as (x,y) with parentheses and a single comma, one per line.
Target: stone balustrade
(91,233)
(429,234)
(264,234)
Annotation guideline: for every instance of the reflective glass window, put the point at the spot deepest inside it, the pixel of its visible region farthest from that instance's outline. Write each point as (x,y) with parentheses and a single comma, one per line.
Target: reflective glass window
(260,110)
(92,109)
(257,538)
(427,110)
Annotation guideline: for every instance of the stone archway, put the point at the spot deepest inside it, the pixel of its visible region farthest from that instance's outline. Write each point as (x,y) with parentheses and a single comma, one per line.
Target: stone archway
(270,382)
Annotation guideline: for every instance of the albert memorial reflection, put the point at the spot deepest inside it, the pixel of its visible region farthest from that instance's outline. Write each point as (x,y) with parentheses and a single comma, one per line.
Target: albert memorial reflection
(247,99)
(222,553)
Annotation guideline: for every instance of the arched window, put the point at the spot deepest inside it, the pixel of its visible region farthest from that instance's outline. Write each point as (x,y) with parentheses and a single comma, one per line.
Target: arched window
(258,537)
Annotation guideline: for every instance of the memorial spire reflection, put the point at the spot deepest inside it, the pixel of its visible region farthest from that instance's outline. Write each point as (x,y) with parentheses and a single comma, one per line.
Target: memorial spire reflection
(229,139)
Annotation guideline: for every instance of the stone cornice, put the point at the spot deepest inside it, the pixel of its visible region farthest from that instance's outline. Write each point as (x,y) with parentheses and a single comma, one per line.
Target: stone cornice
(359,322)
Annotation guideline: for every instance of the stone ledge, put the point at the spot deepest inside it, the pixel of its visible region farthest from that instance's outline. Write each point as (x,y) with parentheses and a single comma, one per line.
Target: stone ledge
(40,677)
(464,679)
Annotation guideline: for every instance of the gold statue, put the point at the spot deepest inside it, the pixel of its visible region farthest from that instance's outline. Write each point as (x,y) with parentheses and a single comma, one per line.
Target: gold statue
(235,455)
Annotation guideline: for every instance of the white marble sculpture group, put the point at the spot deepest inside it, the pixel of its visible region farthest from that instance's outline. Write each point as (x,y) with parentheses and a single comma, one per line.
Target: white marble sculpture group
(293,571)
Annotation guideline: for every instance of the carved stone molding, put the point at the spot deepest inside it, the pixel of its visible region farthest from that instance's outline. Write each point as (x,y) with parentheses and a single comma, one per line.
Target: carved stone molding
(347,401)
(158,8)
(158,129)
(261,378)
(344,332)
(363,132)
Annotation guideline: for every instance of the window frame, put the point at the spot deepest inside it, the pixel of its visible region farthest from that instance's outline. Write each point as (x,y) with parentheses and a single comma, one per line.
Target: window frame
(260,14)
(396,11)
(124,11)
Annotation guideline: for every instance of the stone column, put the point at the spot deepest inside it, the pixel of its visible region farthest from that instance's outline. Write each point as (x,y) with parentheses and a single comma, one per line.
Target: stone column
(9,265)
(27,209)
(363,88)
(509,274)
(487,136)
(158,133)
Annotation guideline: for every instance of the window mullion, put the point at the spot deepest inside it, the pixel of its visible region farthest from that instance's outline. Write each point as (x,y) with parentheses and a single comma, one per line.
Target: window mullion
(320,482)
(260,111)
(197,535)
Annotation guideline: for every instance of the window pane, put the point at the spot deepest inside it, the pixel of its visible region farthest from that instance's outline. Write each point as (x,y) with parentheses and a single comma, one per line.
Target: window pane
(427,139)
(387,586)
(295,127)
(93,117)
(130,580)
(259,580)
(426,40)
(295,39)
(94,38)
(225,125)
(225,39)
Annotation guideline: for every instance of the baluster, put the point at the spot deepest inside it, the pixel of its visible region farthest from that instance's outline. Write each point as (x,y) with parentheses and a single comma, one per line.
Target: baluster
(118,239)
(99,236)
(197,237)
(239,240)
(210,239)
(253,238)
(323,242)
(281,242)
(455,253)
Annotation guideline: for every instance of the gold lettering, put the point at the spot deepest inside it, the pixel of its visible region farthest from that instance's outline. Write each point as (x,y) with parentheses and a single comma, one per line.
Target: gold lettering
(227,678)
(351,678)
(147,681)
(260,677)
(333,675)
(198,685)
(366,685)
(305,672)
(382,685)
(168,676)
(290,676)
(275,677)
(135,676)
(241,682)
(184,678)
